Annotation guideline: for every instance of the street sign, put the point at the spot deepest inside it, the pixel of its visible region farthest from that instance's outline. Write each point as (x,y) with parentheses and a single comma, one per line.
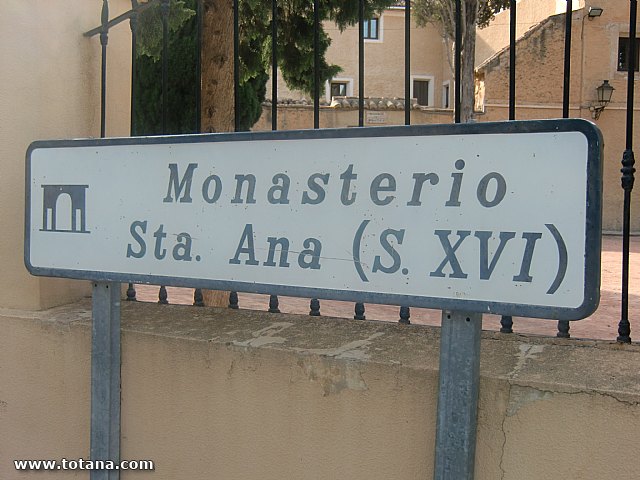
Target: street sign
(492,218)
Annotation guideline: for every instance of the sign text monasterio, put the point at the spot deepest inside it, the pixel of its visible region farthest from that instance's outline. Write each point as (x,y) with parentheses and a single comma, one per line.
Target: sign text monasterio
(381,191)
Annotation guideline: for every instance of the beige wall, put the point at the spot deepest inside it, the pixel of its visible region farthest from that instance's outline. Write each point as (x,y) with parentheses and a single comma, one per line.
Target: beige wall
(213,393)
(384,59)
(539,93)
(293,117)
(529,13)
(50,79)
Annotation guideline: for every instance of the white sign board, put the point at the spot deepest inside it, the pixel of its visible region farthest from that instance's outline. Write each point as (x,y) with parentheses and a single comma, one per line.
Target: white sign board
(376,118)
(501,218)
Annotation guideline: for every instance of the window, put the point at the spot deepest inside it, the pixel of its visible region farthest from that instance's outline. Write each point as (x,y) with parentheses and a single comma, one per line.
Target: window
(624,54)
(338,89)
(446,94)
(371,29)
(421,91)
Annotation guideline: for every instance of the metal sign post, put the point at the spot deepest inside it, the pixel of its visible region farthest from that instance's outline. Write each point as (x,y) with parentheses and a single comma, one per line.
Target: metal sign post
(105,378)
(501,218)
(458,395)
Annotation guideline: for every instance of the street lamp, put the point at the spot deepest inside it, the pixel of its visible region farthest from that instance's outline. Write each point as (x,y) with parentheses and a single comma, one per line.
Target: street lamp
(604,93)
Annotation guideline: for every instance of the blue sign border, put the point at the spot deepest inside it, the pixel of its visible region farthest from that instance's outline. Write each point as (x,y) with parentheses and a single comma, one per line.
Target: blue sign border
(593,218)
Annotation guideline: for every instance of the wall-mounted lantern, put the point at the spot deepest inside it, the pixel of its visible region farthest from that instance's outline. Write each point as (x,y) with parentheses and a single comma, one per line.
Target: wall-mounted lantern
(604,93)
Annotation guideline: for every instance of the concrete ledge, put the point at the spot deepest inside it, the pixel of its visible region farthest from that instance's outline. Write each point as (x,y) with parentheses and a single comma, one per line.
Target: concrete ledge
(217,393)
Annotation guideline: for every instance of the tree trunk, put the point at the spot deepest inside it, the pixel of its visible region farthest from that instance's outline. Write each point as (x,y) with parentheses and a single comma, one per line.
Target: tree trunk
(469,20)
(217,66)
(215,298)
(469,15)
(217,87)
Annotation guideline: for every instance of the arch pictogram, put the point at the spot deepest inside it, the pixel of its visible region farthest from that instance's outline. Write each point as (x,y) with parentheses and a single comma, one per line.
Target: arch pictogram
(77,194)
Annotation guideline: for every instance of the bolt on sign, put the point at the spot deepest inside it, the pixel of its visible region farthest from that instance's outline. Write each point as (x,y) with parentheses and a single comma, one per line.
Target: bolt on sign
(494,218)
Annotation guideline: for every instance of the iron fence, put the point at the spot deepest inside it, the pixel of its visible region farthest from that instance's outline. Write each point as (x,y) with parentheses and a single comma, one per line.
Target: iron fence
(628,160)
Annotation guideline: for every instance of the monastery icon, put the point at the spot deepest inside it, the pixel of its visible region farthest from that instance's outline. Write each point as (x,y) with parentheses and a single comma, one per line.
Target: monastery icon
(76,217)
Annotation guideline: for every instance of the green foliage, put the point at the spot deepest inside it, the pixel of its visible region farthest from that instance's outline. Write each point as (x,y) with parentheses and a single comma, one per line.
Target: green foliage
(182,80)
(295,56)
(251,95)
(150,26)
(295,51)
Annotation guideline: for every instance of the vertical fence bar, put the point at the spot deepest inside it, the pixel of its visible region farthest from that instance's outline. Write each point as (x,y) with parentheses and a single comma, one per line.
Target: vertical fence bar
(407,62)
(316,64)
(314,307)
(163,297)
(105,378)
(405,311)
(133,24)
(360,100)
(236,65)
(198,298)
(563,329)
(628,170)
(458,61)
(405,315)
(506,321)
(233,300)
(567,60)
(361,63)
(506,324)
(104,40)
(512,59)
(233,296)
(164,9)
(273,304)
(273,300)
(274,64)
(563,325)
(199,14)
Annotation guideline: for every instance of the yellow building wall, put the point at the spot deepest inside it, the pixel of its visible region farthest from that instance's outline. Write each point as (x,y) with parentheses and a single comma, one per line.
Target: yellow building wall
(495,36)
(384,60)
(50,79)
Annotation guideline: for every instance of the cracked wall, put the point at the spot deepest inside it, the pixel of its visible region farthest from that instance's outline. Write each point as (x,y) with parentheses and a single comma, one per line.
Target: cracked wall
(215,393)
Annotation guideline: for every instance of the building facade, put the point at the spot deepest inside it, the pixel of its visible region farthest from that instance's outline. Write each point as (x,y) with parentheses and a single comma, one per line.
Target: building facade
(430,83)
(599,53)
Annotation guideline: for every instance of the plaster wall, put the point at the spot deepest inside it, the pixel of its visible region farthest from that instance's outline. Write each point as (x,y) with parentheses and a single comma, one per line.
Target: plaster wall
(51,89)
(214,393)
